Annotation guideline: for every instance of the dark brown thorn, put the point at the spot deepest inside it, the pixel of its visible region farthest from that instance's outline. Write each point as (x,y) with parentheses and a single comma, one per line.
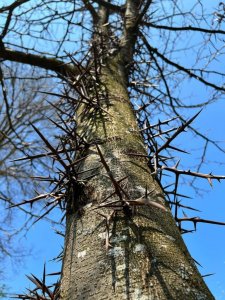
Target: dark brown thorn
(177,164)
(145,201)
(42,178)
(108,197)
(184,214)
(184,231)
(120,187)
(163,132)
(184,206)
(31,201)
(108,204)
(163,158)
(178,195)
(115,184)
(179,130)
(58,95)
(68,158)
(112,194)
(81,76)
(71,131)
(159,123)
(54,274)
(87,178)
(43,281)
(58,108)
(59,183)
(197,262)
(57,199)
(59,126)
(88,170)
(175,197)
(78,160)
(167,186)
(50,147)
(48,211)
(178,149)
(50,153)
(206,275)
(199,220)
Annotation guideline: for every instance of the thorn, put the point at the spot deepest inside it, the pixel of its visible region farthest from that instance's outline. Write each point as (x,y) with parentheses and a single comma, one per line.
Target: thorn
(206,275)
(179,130)
(49,146)
(116,185)
(178,149)
(146,192)
(178,195)
(145,201)
(31,201)
(184,206)
(197,262)
(210,181)
(47,212)
(54,274)
(176,165)
(184,214)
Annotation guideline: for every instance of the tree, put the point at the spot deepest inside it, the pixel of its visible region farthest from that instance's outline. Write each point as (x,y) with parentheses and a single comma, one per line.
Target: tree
(119,71)
(19,105)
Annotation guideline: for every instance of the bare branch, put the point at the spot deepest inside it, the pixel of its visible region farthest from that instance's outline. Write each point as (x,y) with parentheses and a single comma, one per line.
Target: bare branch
(185,28)
(44,62)
(180,67)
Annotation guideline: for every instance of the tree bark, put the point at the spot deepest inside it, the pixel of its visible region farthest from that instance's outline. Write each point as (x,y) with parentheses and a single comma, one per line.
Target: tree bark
(122,254)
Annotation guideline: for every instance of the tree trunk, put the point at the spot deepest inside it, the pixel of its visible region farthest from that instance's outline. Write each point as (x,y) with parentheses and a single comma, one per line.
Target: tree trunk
(135,253)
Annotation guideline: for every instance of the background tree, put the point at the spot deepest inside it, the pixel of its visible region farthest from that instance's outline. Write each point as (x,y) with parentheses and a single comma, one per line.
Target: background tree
(19,105)
(120,70)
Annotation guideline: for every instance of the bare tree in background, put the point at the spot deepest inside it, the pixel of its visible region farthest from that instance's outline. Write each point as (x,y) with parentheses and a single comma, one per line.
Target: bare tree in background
(122,65)
(19,105)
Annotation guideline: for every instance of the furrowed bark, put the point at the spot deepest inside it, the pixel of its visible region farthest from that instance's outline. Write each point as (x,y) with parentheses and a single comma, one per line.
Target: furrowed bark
(146,257)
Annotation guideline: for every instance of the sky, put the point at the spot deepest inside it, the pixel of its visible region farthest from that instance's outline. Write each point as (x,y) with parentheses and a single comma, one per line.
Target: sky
(207,245)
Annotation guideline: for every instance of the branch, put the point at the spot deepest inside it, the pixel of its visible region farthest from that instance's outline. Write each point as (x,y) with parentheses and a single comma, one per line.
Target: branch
(5,98)
(195,174)
(179,130)
(179,67)
(92,10)
(130,31)
(44,62)
(199,220)
(142,14)
(12,6)
(185,28)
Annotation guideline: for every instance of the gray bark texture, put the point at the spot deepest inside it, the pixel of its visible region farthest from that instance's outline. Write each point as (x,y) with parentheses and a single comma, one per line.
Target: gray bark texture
(118,254)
